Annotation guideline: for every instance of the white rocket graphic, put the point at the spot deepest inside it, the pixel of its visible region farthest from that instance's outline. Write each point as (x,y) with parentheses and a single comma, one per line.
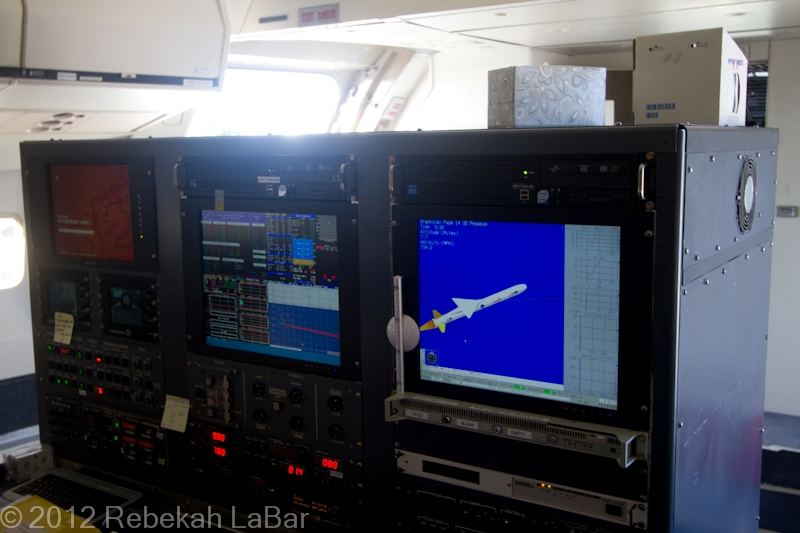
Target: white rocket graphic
(466,308)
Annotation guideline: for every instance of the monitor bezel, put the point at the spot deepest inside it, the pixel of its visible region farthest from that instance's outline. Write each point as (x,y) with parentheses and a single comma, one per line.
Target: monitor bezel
(636,256)
(142,187)
(349,298)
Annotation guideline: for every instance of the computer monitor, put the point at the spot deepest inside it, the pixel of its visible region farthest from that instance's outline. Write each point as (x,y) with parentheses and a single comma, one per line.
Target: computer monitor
(539,312)
(273,283)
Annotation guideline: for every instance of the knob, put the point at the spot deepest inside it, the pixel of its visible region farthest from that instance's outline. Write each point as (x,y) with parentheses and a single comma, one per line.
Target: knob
(296,396)
(259,389)
(260,415)
(336,431)
(335,403)
(297,423)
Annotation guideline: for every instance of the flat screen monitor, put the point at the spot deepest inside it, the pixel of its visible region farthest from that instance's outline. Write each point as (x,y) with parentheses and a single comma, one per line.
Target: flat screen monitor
(271,284)
(62,297)
(520,308)
(91,212)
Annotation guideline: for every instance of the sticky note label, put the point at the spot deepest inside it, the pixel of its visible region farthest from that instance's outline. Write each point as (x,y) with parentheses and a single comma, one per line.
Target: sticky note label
(64,324)
(219,200)
(176,414)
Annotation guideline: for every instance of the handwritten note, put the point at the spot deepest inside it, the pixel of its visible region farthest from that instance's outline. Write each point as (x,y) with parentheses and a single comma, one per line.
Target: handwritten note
(176,414)
(64,324)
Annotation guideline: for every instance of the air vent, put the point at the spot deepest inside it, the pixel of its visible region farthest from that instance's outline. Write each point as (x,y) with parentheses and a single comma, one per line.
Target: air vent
(746,196)
(473,415)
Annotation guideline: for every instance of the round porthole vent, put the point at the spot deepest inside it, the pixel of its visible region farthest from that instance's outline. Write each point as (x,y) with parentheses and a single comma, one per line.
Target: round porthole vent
(746,197)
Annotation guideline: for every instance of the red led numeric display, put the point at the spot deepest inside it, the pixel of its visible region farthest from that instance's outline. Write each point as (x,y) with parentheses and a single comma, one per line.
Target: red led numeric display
(294,471)
(219,451)
(328,463)
(216,436)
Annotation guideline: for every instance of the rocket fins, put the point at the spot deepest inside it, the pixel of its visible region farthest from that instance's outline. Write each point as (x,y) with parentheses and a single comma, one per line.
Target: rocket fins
(441,328)
(468,307)
(436,314)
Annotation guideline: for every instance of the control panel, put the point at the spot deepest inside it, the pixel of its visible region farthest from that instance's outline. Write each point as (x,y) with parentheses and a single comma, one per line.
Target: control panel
(293,438)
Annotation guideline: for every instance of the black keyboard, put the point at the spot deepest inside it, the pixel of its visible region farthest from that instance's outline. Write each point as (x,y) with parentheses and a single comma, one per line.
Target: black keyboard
(79,499)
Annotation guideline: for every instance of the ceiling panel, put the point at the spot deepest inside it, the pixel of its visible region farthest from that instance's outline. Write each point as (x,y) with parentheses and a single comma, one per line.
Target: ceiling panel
(571,11)
(734,18)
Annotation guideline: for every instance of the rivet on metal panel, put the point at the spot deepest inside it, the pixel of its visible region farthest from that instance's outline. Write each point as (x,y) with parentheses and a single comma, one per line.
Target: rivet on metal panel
(642,438)
(650,156)
(686,251)
(776,182)
(691,170)
(758,154)
(649,206)
(713,158)
(736,239)
(773,152)
(648,234)
(352,158)
(739,156)
(183,214)
(762,430)
(724,270)
(680,424)
(763,248)
(395,223)
(357,363)
(719,247)
(355,222)
(706,282)
(180,159)
(645,408)
(642,507)
(149,173)
(643,497)
(697,258)
(747,256)
(685,292)
(759,215)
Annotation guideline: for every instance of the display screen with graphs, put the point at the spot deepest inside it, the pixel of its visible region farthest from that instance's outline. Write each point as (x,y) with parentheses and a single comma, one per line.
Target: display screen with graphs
(542,321)
(270,284)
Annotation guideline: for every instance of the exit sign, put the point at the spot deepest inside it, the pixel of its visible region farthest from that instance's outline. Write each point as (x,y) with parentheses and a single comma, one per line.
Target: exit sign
(316,16)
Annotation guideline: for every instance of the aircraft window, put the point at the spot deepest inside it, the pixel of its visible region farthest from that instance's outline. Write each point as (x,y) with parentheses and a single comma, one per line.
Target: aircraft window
(12,251)
(261,102)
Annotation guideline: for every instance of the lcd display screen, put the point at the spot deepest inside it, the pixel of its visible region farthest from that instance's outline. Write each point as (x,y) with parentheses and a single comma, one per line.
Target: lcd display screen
(126,306)
(62,297)
(271,284)
(91,212)
(521,308)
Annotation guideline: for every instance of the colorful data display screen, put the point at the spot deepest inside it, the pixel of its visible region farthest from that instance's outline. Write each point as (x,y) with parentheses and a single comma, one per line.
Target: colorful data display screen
(521,308)
(91,210)
(271,284)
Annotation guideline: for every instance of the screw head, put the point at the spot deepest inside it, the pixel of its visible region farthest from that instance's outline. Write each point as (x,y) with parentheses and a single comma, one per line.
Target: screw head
(713,158)
(649,205)
(691,170)
(648,234)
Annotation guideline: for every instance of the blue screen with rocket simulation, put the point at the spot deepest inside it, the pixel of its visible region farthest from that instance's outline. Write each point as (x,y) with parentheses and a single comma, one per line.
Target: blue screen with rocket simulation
(492,301)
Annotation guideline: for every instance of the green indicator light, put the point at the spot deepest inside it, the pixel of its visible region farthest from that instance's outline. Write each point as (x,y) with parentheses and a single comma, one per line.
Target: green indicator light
(82,386)
(80,353)
(523,388)
(49,347)
(116,424)
(516,387)
(58,380)
(524,173)
(546,391)
(149,431)
(141,236)
(66,382)
(116,437)
(80,371)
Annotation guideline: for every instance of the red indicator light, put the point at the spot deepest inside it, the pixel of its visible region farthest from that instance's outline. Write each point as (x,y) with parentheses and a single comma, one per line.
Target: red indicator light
(63,351)
(281,451)
(220,452)
(129,426)
(216,436)
(145,444)
(129,440)
(100,391)
(295,471)
(98,359)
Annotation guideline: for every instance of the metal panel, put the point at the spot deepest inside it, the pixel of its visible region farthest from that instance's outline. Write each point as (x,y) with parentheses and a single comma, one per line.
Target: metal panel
(712,185)
(720,396)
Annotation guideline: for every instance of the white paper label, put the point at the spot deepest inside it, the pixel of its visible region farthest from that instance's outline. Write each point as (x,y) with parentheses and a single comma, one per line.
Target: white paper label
(411,413)
(176,414)
(64,324)
(520,434)
(469,424)
(269,179)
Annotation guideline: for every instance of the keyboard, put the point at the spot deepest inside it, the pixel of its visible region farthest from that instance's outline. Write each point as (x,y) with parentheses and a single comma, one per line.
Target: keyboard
(79,494)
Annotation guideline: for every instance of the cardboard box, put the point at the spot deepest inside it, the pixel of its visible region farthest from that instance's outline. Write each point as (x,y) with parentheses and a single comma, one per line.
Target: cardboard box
(696,76)
(547,95)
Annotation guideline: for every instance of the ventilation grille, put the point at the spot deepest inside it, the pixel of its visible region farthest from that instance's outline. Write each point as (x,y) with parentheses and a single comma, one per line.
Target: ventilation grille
(566,432)
(746,196)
